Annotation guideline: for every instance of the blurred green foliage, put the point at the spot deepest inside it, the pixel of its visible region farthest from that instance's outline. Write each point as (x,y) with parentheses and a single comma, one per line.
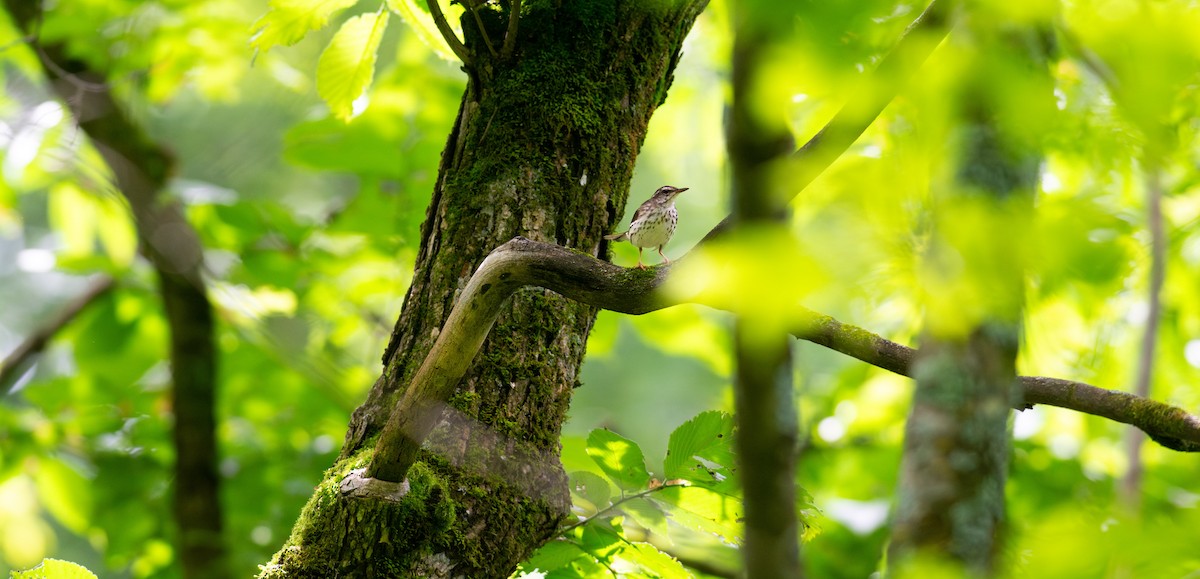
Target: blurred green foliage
(310,225)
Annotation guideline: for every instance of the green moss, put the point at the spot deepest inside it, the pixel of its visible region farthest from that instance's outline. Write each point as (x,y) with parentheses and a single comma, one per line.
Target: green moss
(464,400)
(367,534)
(529,521)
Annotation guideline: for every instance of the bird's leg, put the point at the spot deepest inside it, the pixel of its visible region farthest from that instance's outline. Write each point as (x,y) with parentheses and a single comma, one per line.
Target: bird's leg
(664,256)
(640,266)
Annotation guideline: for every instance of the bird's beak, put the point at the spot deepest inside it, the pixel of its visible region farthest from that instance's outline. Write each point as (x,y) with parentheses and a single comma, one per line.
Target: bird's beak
(678,191)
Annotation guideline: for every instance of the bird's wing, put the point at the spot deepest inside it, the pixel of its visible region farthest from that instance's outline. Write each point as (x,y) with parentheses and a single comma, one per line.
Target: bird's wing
(637,213)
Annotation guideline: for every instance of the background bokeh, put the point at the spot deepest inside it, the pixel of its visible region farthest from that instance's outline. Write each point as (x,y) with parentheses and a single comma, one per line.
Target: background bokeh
(310,226)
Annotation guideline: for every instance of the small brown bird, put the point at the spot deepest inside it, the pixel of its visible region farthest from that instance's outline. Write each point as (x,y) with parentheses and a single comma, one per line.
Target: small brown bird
(653,223)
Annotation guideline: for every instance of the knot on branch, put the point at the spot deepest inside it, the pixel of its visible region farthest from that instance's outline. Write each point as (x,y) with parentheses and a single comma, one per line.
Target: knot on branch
(358,485)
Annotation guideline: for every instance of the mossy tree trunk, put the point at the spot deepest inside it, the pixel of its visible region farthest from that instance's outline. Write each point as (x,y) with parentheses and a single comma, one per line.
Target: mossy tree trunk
(543,147)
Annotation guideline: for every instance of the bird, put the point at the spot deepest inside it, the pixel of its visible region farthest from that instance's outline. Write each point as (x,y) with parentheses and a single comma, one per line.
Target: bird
(653,223)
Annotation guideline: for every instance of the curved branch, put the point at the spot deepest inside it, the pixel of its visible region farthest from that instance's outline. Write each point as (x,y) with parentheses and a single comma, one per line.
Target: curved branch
(14,365)
(511,266)
(523,262)
(865,104)
(456,45)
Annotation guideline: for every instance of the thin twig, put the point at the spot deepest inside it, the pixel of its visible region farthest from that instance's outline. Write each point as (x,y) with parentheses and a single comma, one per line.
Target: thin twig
(479,23)
(1132,482)
(456,45)
(1090,60)
(624,499)
(510,35)
(14,365)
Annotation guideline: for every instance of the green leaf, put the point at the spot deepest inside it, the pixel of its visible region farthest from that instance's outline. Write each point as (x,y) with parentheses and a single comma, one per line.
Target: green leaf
(552,556)
(620,458)
(289,20)
(656,563)
(347,66)
(64,492)
(81,217)
(55,569)
(574,455)
(70,215)
(648,514)
(602,542)
(705,511)
(701,451)
(422,23)
(591,487)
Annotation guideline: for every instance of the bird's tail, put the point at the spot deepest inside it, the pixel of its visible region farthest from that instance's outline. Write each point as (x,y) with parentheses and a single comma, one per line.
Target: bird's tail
(618,236)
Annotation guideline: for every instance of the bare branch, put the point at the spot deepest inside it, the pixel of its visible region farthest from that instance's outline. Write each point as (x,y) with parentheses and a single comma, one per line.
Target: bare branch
(522,262)
(456,45)
(16,362)
(510,35)
(1131,484)
(487,40)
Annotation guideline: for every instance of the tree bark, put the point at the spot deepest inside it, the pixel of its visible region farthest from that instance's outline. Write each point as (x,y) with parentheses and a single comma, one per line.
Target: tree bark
(950,500)
(544,146)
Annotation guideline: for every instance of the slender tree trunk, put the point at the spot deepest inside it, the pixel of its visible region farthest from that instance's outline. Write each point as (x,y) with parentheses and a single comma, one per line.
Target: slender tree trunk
(759,142)
(950,501)
(141,169)
(543,147)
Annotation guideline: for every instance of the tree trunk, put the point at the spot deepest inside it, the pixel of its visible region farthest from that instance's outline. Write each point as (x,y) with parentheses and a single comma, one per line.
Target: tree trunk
(543,147)
(759,142)
(950,500)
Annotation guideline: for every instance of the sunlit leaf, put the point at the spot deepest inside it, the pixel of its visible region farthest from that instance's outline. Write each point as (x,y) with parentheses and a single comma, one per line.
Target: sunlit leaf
(422,23)
(65,493)
(602,542)
(289,20)
(70,214)
(590,487)
(760,272)
(705,511)
(701,451)
(552,556)
(648,514)
(83,217)
(347,65)
(620,458)
(55,569)
(653,562)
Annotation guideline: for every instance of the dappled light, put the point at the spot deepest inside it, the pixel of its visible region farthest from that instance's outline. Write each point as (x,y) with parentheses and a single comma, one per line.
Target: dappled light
(344,265)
